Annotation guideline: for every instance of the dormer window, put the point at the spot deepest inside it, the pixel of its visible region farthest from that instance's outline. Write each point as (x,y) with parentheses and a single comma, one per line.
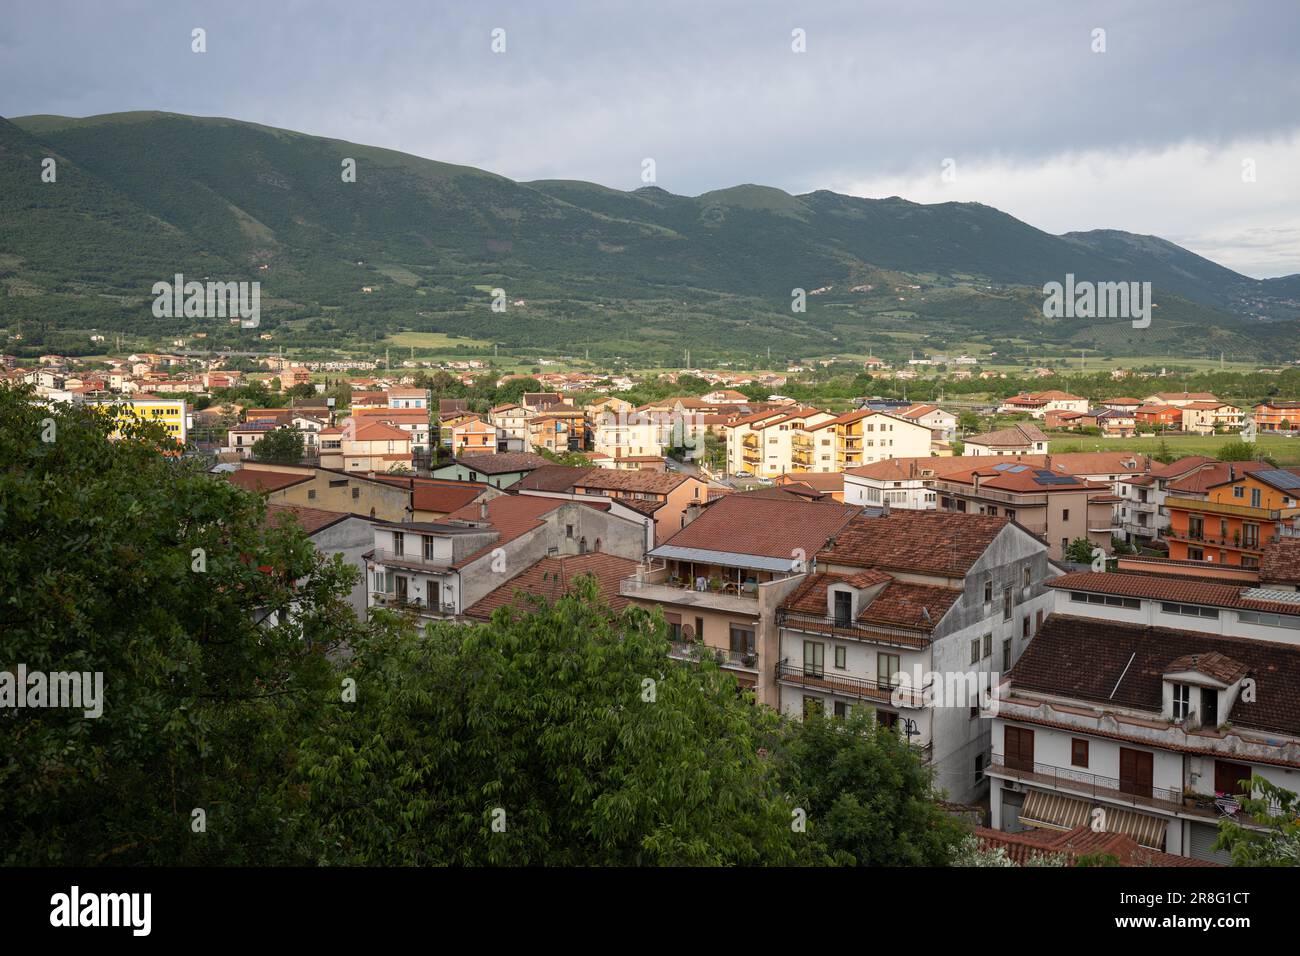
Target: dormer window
(1182,701)
(842,608)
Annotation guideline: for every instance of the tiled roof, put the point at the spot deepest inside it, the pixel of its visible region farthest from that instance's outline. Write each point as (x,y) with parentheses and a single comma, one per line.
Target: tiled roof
(766,527)
(1201,481)
(509,515)
(262,481)
(378,431)
(1281,562)
(899,603)
(905,469)
(1176,469)
(1012,437)
(1008,476)
(1081,841)
(1109,662)
(311,519)
(829,481)
(551,578)
(642,479)
(1168,588)
(551,478)
(927,542)
(1214,665)
(503,463)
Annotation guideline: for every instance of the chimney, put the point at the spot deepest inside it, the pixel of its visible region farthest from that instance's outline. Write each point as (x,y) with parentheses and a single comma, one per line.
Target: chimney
(884,512)
(483,510)
(1232,472)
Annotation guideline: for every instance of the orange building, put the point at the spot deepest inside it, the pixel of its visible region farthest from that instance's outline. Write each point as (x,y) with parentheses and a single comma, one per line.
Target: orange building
(1277,416)
(1246,506)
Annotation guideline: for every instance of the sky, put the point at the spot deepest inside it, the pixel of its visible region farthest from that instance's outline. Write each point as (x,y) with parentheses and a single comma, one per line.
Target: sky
(1181,120)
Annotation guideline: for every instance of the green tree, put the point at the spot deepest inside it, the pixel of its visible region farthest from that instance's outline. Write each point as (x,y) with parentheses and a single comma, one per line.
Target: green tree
(968,422)
(512,391)
(1236,451)
(867,796)
(564,736)
(210,629)
(281,445)
(1275,841)
(1080,551)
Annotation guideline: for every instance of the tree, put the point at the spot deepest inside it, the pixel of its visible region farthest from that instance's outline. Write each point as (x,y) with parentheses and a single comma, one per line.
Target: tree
(210,629)
(866,793)
(1080,551)
(1277,811)
(564,736)
(968,422)
(281,445)
(1236,451)
(512,391)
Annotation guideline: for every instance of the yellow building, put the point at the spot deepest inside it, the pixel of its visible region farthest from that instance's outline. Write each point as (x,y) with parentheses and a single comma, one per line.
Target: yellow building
(171,413)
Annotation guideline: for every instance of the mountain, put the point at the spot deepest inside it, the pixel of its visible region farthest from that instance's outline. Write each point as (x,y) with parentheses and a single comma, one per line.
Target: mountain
(642,275)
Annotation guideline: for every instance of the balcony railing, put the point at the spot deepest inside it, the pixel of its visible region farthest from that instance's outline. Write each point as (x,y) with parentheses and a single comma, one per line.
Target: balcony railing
(1081,781)
(733,598)
(872,633)
(1223,507)
(803,675)
(1238,543)
(389,599)
(415,560)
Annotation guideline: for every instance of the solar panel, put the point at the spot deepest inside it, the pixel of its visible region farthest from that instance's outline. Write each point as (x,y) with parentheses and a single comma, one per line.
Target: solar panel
(1267,594)
(1017,469)
(1002,466)
(1280,479)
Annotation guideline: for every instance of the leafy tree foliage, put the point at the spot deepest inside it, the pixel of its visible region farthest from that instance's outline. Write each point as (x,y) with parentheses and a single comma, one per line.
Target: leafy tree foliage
(1277,811)
(281,445)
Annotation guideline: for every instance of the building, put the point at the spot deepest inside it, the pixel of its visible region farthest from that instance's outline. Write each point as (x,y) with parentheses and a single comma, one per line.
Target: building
(1142,515)
(499,470)
(1148,699)
(1161,417)
(1056,506)
(172,413)
(1276,417)
(469,435)
(665,496)
(720,580)
(1020,439)
(366,446)
(913,615)
(511,421)
(1039,404)
(557,428)
(864,436)
(440,569)
(942,425)
(1178,399)
(332,532)
(1244,506)
(551,578)
(1208,418)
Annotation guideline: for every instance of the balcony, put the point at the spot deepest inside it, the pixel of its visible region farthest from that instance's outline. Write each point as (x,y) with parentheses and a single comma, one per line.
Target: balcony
(724,657)
(1225,508)
(389,599)
(379,556)
(853,630)
(856,687)
(1237,543)
(1081,782)
(731,600)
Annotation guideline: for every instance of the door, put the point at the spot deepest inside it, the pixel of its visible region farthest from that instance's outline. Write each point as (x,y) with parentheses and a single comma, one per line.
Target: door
(1018,748)
(1136,769)
(1227,775)
(1209,707)
(813,658)
(401,584)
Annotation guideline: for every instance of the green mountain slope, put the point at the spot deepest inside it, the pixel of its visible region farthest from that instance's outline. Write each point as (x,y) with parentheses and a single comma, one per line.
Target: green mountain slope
(642,275)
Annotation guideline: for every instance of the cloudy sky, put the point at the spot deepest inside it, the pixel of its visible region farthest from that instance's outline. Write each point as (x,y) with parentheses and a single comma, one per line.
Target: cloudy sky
(1157,134)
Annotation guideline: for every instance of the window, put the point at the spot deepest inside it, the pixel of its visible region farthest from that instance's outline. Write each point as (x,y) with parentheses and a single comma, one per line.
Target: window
(1065,514)
(988,592)
(699,621)
(1078,752)
(841,710)
(1110,600)
(399,540)
(1239,492)
(1006,655)
(568,531)
(674,627)
(1254,497)
(813,658)
(1024,627)
(1025,576)
(988,645)
(841,657)
(979,768)
(1182,701)
(1269,620)
(1011,514)
(356,493)
(887,718)
(887,667)
(1006,604)
(975,650)
(311,494)
(428,547)
(1189,610)
(742,639)
(843,608)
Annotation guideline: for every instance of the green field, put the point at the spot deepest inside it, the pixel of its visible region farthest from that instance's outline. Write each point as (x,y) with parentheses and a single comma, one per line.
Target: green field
(433,340)
(1285,451)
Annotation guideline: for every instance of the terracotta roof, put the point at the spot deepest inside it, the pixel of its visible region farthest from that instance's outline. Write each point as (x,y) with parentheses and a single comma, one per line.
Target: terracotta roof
(378,431)
(509,515)
(500,464)
(1183,466)
(1112,663)
(1214,665)
(263,481)
(551,478)
(910,469)
(432,494)
(311,519)
(1281,561)
(1012,437)
(898,603)
(1169,588)
(642,479)
(551,578)
(1081,841)
(1187,396)
(1199,482)
(827,481)
(765,527)
(927,542)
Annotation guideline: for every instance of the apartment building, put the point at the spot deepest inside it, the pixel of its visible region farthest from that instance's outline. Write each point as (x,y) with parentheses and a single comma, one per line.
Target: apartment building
(1179,399)
(720,580)
(1244,506)
(1277,417)
(366,446)
(470,435)
(1055,506)
(788,441)
(1039,404)
(865,436)
(1019,439)
(332,532)
(1141,512)
(441,568)
(499,470)
(511,421)
(911,615)
(942,424)
(1163,417)
(1186,689)
(1207,418)
(558,428)
(172,413)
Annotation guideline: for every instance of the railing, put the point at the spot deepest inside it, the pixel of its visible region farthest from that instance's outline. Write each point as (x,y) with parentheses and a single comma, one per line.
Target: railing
(392,557)
(1218,542)
(1223,507)
(1081,781)
(872,633)
(390,599)
(730,589)
(695,651)
(884,691)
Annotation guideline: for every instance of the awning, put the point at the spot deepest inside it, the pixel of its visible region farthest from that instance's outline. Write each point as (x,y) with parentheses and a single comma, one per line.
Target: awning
(1055,811)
